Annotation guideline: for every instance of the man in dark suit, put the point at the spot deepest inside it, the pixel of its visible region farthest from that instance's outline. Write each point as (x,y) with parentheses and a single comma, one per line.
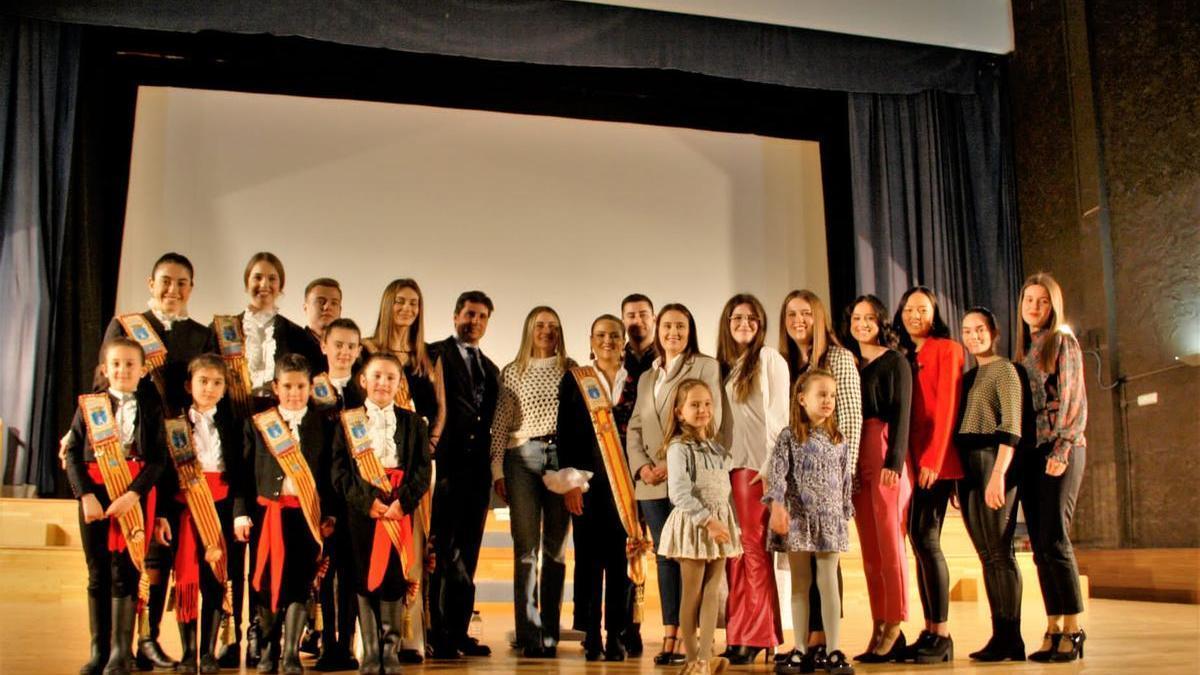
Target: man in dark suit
(462,490)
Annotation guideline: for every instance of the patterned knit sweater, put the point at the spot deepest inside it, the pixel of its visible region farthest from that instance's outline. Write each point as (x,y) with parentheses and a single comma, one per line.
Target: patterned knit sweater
(527,407)
(991,407)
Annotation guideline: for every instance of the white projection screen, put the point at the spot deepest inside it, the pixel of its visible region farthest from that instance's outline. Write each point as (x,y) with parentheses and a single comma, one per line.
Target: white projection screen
(533,210)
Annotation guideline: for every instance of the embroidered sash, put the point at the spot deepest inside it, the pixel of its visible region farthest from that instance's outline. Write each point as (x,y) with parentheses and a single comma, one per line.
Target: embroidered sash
(231,341)
(198,490)
(354,424)
(138,328)
(619,479)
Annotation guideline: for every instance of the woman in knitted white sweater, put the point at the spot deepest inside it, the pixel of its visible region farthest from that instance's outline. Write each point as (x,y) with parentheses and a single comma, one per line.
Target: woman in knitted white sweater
(523,449)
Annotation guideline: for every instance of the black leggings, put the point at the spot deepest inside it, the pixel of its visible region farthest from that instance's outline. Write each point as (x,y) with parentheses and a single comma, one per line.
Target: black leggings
(991,532)
(1049,504)
(928,512)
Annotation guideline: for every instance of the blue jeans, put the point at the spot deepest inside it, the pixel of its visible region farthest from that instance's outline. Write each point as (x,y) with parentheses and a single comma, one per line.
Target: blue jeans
(539,522)
(669,584)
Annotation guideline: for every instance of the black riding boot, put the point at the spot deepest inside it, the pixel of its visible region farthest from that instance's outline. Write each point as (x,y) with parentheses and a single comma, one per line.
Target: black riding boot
(100,623)
(187,638)
(392,614)
(210,634)
(368,628)
(293,628)
(119,661)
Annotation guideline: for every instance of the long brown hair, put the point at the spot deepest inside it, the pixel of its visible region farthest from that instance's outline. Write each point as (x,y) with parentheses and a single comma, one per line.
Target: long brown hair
(381,339)
(729,351)
(823,335)
(525,351)
(801,425)
(1054,323)
(676,429)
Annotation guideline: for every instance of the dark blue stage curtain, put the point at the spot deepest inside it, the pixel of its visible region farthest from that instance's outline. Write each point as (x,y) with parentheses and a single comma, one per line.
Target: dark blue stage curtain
(39,67)
(934,200)
(552,32)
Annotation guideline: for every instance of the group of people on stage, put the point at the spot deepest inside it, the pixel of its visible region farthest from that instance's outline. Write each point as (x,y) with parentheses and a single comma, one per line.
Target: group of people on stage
(347,477)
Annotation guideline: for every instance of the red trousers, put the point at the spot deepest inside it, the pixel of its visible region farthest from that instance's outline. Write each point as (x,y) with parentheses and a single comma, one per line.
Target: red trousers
(752,611)
(879,514)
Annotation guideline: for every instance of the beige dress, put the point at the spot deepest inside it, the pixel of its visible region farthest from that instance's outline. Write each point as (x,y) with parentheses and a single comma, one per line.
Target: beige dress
(698,485)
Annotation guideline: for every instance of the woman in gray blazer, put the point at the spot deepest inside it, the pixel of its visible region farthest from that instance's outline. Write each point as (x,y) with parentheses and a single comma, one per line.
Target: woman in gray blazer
(679,358)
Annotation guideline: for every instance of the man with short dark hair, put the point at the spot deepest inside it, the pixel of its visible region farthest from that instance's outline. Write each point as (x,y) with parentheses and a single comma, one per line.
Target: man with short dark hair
(462,491)
(637,313)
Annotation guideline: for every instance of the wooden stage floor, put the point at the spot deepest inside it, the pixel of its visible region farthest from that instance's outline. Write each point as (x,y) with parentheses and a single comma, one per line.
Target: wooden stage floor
(51,637)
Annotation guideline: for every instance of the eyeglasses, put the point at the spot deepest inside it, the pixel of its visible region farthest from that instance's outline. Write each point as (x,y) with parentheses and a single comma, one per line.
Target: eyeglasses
(744,318)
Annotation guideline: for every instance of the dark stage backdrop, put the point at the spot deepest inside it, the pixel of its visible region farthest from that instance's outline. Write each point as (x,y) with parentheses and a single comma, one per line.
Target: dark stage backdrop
(916,130)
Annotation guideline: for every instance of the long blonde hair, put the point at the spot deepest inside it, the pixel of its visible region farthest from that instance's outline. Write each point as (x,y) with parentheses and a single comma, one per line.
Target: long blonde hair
(801,424)
(381,339)
(1054,323)
(729,351)
(525,351)
(675,428)
(823,336)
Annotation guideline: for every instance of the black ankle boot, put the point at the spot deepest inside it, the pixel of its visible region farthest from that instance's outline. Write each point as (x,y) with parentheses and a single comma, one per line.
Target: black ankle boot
(119,661)
(210,634)
(187,638)
(1005,644)
(293,627)
(100,624)
(150,654)
(392,614)
(369,664)
(938,649)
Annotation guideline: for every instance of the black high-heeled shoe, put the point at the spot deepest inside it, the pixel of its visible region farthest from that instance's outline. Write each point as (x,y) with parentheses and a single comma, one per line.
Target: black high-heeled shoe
(1043,655)
(668,656)
(899,647)
(1077,640)
(742,655)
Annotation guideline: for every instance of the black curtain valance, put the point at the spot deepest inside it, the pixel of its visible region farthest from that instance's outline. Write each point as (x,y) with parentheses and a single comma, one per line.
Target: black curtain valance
(554,32)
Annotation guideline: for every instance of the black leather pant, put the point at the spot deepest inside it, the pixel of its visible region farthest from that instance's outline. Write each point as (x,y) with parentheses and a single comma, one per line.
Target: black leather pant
(925,518)
(991,531)
(1049,504)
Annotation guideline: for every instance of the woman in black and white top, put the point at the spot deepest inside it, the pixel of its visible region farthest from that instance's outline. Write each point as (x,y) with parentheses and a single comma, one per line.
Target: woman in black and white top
(989,429)
(756,395)
(807,340)
(523,449)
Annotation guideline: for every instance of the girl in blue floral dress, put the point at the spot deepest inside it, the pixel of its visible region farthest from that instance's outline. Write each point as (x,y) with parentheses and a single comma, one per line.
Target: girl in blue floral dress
(809,490)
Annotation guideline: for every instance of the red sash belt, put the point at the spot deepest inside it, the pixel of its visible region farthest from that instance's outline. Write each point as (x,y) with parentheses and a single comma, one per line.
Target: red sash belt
(187,559)
(381,546)
(116,540)
(270,543)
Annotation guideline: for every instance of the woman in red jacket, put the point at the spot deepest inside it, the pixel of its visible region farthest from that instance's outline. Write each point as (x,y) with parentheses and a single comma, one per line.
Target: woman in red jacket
(937,361)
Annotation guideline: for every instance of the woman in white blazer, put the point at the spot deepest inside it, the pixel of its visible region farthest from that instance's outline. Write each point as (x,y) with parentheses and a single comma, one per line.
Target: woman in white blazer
(679,358)
(757,388)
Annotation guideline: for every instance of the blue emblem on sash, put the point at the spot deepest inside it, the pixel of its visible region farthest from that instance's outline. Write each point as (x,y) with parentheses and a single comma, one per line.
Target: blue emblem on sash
(230,334)
(593,392)
(274,431)
(179,439)
(99,418)
(358,431)
(141,333)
